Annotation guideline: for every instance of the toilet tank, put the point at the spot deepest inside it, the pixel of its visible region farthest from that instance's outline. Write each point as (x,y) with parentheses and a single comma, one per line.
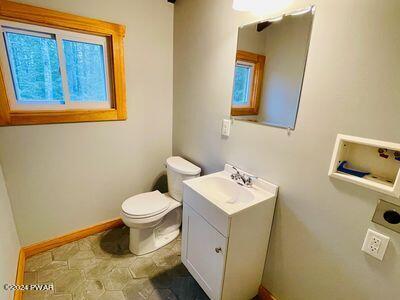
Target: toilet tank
(178,170)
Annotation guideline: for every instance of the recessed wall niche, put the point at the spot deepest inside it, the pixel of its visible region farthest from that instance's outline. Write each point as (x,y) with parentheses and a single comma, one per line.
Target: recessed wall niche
(369,163)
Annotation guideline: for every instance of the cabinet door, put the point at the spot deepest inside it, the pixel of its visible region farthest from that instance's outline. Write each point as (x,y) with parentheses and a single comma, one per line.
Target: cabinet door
(203,252)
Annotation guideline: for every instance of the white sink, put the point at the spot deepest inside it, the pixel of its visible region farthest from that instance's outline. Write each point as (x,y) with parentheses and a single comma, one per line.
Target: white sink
(229,196)
(225,232)
(223,190)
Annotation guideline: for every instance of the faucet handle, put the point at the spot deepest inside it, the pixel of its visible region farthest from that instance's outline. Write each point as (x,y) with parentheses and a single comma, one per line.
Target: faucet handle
(249,180)
(237,171)
(236,175)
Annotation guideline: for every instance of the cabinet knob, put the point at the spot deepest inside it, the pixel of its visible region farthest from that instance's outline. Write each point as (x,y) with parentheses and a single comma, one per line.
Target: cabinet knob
(218,249)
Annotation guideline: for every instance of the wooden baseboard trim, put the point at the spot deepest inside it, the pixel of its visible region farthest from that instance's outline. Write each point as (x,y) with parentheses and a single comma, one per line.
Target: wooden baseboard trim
(37,248)
(71,237)
(264,294)
(19,280)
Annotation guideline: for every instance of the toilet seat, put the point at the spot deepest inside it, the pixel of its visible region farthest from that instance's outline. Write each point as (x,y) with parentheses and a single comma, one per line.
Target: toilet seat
(145,205)
(154,219)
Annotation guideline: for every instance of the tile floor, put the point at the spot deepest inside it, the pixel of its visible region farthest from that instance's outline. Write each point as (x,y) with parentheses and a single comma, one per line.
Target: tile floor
(101,267)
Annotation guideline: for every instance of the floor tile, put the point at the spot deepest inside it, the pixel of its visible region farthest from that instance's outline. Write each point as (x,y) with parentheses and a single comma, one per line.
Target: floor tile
(52,271)
(60,297)
(165,257)
(88,289)
(82,259)
(138,289)
(112,295)
(38,261)
(101,267)
(143,267)
(117,279)
(98,270)
(69,280)
(162,294)
(187,288)
(66,251)
(116,241)
(164,279)
(100,252)
(30,277)
(124,261)
(85,244)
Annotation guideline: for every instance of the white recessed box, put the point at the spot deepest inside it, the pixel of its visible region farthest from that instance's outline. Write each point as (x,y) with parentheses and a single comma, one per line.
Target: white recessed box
(378,158)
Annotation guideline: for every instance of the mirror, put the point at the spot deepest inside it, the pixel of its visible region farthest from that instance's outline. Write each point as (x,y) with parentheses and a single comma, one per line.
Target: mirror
(270,64)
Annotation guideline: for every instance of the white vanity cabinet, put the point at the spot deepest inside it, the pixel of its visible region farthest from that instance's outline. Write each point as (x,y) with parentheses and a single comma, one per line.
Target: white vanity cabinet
(224,243)
(204,252)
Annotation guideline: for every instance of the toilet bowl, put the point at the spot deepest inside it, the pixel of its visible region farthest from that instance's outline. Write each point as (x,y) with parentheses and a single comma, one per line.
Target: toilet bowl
(154,218)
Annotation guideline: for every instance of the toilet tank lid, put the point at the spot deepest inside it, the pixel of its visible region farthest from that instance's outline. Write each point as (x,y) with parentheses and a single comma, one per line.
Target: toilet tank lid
(182,166)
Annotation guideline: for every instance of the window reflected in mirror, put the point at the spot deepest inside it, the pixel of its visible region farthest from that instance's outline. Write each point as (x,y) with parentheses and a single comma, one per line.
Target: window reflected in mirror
(249,72)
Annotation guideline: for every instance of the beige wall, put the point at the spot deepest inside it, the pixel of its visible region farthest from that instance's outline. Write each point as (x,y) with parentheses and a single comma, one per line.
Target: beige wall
(9,242)
(67,176)
(286,49)
(249,39)
(351,86)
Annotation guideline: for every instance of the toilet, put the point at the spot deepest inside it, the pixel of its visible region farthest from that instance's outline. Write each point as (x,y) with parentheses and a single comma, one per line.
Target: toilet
(154,218)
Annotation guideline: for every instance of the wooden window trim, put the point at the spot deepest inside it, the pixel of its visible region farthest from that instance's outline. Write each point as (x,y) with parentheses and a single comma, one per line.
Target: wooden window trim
(259,62)
(114,33)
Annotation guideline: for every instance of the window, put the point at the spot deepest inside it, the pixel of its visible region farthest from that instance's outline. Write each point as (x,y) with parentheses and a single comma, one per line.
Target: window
(247,84)
(54,69)
(86,75)
(69,72)
(34,65)
(244,73)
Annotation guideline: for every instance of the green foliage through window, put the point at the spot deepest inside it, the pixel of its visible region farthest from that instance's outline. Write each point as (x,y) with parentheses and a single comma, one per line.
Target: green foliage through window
(241,88)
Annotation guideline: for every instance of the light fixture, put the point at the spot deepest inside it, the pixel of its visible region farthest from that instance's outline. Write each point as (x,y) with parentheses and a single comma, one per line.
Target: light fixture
(261,6)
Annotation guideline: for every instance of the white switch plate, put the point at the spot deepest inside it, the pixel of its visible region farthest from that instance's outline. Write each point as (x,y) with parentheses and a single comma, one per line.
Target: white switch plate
(226,127)
(375,244)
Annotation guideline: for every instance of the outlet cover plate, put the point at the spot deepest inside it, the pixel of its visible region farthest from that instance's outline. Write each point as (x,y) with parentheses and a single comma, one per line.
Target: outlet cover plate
(375,244)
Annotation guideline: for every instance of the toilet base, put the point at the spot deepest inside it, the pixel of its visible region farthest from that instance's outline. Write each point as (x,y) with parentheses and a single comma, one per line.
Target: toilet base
(146,240)
(141,244)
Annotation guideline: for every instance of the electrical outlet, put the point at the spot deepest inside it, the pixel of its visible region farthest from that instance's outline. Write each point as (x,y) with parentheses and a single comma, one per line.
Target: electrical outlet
(375,244)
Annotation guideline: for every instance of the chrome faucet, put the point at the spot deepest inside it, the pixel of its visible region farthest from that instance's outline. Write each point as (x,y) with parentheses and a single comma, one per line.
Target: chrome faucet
(242,178)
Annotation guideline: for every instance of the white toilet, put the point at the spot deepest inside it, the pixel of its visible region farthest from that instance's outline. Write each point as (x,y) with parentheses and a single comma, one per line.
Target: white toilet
(154,219)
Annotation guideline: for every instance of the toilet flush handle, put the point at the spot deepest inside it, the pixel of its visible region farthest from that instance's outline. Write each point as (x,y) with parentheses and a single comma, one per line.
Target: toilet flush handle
(218,249)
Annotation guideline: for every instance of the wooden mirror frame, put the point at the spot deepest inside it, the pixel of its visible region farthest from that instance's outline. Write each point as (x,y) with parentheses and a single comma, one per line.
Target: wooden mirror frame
(254,104)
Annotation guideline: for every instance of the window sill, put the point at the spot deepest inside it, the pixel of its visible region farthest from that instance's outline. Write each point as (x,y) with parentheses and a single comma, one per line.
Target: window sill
(71,116)
(244,111)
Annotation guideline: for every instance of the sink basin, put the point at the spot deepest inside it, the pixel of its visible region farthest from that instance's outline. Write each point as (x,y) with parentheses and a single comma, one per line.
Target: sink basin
(224,190)
(226,194)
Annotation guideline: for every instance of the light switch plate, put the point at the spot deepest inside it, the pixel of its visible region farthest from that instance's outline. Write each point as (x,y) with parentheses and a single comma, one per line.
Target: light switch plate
(375,244)
(226,127)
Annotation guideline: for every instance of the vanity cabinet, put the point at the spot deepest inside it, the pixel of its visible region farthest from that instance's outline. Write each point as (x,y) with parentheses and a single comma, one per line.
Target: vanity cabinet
(224,245)
(204,252)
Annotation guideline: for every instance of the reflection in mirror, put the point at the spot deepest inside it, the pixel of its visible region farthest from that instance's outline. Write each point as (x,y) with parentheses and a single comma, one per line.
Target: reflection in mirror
(270,63)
